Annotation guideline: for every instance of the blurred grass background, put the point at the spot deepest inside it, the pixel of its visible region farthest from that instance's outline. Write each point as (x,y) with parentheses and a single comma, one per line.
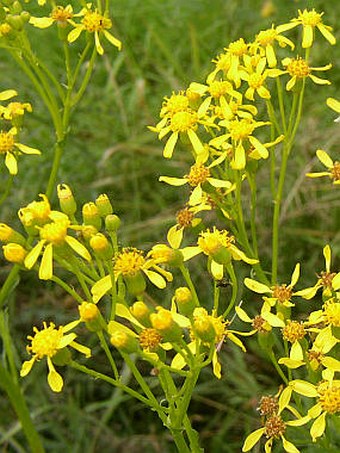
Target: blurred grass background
(166,45)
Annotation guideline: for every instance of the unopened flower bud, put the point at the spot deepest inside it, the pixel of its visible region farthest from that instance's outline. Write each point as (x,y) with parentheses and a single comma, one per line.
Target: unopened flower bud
(101,246)
(14,253)
(104,205)
(204,329)
(88,231)
(163,254)
(7,234)
(66,200)
(184,301)
(90,314)
(112,223)
(135,284)
(15,21)
(165,324)
(91,215)
(141,312)
(124,342)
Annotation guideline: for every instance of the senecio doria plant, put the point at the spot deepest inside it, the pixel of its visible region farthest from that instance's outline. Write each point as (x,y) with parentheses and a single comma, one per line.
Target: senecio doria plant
(242,119)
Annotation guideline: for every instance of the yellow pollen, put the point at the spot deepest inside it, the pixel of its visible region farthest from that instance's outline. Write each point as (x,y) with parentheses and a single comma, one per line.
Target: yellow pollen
(61,14)
(184,217)
(5,29)
(310,17)
(183,121)
(241,129)
(54,232)
(330,399)
(6,142)
(256,80)
(219,88)
(258,324)
(222,62)
(94,21)
(149,339)
(238,47)
(129,262)
(219,327)
(335,171)
(268,405)
(266,37)
(326,279)
(299,68)
(293,331)
(198,175)
(282,293)
(211,242)
(45,342)
(275,427)
(332,313)
(176,103)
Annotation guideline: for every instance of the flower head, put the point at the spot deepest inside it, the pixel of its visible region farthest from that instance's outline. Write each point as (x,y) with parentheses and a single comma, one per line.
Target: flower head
(48,342)
(95,23)
(12,149)
(333,167)
(310,20)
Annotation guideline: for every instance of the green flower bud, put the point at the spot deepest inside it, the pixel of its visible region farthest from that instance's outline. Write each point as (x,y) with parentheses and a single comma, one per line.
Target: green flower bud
(91,215)
(184,301)
(141,312)
(124,342)
(101,246)
(104,206)
(66,200)
(112,223)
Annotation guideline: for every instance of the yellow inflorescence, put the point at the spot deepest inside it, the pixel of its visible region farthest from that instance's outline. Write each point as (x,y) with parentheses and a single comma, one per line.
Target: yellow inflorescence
(293,331)
(330,399)
(299,68)
(55,232)
(198,175)
(93,21)
(45,342)
(6,142)
(129,262)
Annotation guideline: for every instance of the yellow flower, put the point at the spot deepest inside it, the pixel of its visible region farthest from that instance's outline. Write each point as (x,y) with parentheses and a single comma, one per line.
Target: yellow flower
(256,78)
(14,110)
(132,265)
(220,246)
(263,322)
(265,40)
(11,148)
(96,23)
(274,427)
(48,342)
(333,167)
(53,239)
(328,403)
(60,15)
(278,293)
(240,131)
(329,281)
(310,20)
(185,218)
(197,177)
(299,69)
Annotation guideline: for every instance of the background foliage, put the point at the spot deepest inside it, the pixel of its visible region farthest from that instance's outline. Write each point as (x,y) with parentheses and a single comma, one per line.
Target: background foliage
(166,45)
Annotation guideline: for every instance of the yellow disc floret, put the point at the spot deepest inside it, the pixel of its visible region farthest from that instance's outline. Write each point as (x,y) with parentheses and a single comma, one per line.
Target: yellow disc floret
(55,232)
(330,399)
(129,262)
(332,313)
(93,21)
(198,175)
(241,129)
(183,121)
(45,342)
(6,142)
(299,68)
(293,331)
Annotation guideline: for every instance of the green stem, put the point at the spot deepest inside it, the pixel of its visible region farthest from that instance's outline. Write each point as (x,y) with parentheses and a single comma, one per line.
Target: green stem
(67,288)
(277,367)
(7,189)
(11,281)
(108,353)
(187,278)
(18,402)
(234,284)
(111,381)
